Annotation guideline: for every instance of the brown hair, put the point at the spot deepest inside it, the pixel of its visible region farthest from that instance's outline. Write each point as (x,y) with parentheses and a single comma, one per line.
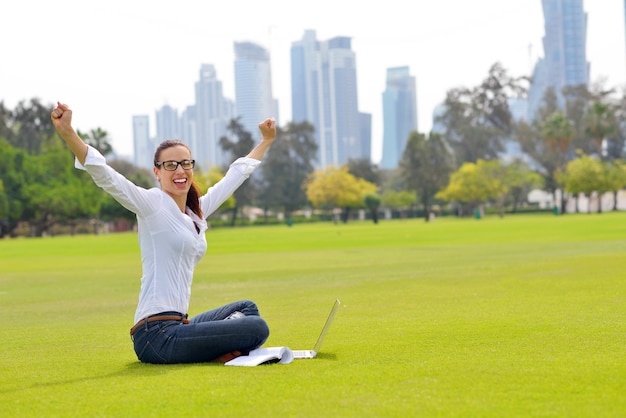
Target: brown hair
(193,195)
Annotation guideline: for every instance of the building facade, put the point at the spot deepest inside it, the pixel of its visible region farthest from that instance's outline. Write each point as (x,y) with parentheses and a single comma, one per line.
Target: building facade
(143,145)
(167,123)
(324,93)
(254,101)
(211,115)
(565,52)
(399,114)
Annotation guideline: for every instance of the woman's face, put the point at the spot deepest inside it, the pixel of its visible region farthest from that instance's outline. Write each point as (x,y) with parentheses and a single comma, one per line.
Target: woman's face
(175,183)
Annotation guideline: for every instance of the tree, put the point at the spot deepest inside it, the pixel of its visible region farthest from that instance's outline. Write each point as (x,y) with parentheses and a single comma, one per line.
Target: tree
(365,169)
(520,180)
(99,139)
(495,176)
(372,202)
(4,210)
(475,184)
(584,175)
(287,164)
(547,140)
(478,120)
(337,188)
(5,122)
(557,133)
(16,170)
(599,123)
(615,172)
(399,200)
(616,142)
(577,101)
(57,193)
(425,167)
(31,126)
(245,194)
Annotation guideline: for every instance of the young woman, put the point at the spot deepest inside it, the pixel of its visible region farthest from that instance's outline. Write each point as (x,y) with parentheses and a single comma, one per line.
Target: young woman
(171,228)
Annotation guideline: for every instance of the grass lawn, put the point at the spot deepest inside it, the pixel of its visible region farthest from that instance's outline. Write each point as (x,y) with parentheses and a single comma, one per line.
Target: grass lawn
(514,317)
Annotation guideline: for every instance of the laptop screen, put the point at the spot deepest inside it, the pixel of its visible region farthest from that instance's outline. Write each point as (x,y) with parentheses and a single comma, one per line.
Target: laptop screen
(329,320)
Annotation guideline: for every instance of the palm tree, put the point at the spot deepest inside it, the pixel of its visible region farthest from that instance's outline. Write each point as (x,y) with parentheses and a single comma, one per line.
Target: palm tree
(600,123)
(557,133)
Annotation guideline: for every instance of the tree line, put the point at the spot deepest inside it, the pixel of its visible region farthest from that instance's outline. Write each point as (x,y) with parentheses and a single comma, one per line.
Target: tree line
(574,144)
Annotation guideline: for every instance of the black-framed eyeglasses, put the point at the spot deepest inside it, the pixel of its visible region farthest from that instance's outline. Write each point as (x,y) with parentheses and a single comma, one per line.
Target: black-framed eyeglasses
(172,165)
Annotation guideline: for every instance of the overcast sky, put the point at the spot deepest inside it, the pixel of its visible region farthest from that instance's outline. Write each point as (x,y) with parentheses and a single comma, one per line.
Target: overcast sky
(110,60)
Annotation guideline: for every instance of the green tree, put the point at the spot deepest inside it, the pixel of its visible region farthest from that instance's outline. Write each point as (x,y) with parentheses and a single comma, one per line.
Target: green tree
(31,126)
(4,210)
(5,122)
(475,184)
(58,193)
(15,174)
(521,180)
(615,177)
(99,139)
(287,164)
(399,200)
(557,133)
(599,124)
(584,175)
(575,106)
(425,167)
(372,203)
(547,140)
(365,169)
(616,142)
(336,188)
(477,120)
(246,193)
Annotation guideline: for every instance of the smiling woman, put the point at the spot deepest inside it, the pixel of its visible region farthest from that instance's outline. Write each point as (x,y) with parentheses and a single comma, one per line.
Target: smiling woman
(171,224)
(173,168)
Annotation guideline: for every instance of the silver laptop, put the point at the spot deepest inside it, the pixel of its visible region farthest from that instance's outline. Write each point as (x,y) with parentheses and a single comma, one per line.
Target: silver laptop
(300,354)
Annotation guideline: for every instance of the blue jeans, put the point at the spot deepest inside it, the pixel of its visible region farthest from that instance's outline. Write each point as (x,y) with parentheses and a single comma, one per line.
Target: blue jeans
(206,337)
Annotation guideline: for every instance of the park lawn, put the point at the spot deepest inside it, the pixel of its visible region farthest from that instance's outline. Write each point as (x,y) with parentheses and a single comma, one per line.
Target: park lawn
(517,316)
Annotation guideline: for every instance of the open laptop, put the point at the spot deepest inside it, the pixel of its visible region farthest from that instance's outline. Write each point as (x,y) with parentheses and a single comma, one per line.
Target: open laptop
(300,354)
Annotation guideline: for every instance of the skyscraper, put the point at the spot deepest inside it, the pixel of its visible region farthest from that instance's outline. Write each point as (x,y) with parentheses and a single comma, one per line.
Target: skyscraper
(189,129)
(253,86)
(399,114)
(212,114)
(324,93)
(565,52)
(143,148)
(167,125)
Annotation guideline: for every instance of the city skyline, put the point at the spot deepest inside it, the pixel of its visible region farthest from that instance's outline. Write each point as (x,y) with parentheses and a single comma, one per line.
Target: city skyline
(136,57)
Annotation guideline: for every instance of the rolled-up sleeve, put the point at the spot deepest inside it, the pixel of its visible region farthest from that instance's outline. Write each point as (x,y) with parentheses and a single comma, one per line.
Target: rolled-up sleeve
(134,198)
(237,173)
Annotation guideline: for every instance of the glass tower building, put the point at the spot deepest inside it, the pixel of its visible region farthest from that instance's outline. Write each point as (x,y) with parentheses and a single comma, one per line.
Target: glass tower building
(211,118)
(399,114)
(167,123)
(253,86)
(565,52)
(143,148)
(324,93)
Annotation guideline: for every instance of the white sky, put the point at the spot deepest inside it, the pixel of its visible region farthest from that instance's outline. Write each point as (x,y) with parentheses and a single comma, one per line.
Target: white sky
(110,60)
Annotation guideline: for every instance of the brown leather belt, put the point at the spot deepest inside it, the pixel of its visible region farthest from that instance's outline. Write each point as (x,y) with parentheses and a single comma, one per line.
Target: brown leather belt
(159,318)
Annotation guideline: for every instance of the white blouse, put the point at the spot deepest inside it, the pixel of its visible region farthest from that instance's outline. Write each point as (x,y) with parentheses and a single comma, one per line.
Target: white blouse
(170,245)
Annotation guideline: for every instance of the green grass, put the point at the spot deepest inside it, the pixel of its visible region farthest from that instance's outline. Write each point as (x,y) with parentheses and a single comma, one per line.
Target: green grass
(515,317)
